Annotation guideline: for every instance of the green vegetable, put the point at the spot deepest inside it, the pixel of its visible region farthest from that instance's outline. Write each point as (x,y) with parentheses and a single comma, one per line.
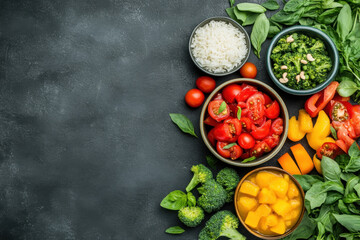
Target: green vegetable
(229,179)
(251,7)
(174,200)
(191,216)
(239,113)
(221,224)
(229,146)
(213,196)
(344,22)
(354,162)
(249,159)
(232,2)
(347,88)
(191,200)
(333,132)
(350,222)
(259,33)
(222,107)
(201,175)
(211,161)
(271,5)
(183,123)
(331,170)
(175,230)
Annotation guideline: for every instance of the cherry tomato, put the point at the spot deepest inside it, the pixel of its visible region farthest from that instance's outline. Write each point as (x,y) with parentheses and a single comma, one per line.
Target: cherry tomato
(211,137)
(262,131)
(206,84)
(272,140)
(213,110)
(260,121)
(230,92)
(343,135)
(268,100)
(233,109)
(245,155)
(248,70)
(194,98)
(340,111)
(235,126)
(272,110)
(246,92)
(246,123)
(277,126)
(246,141)
(259,149)
(228,131)
(210,121)
(330,150)
(256,107)
(233,152)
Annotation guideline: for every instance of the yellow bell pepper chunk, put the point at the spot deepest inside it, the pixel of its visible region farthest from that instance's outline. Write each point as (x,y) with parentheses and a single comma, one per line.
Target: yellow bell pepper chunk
(305,121)
(294,132)
(320,132)
(317,164)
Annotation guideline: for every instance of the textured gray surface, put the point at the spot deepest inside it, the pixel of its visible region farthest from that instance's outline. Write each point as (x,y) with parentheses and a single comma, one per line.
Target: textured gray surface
(87,149)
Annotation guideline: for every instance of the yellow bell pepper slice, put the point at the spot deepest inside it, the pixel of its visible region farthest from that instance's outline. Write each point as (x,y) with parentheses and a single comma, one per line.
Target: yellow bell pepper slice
(294,132)
(317,164)
(320,132)
(305,121)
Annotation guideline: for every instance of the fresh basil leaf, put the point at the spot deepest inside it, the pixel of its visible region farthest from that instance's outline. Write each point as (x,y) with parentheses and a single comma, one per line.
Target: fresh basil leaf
(351,198)
(331,170)
(343,208)
(350,236)
(333,197)
(232,2)
(333,133)
(354,150)
(350,222)
(305,229)
(251,7)
(347,176)
(354,163)
(344,22)
(175,230)
(321,231)
(259,33)
(357,189)
(249,159)
(287,18)
(211,161)
(306,181)
(325,217)
(353,208)
(271,5)
(229,146)
(347,88)
(351,184)
(317,194)
(191,200)
(222,107)
(183,123)
(342,160)
(174,200)
(239,113)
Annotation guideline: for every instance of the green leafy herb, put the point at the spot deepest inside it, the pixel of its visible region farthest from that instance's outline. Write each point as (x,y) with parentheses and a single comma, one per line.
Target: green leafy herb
(183,123)
(305,229)
(239,113)
(259,33)
(354,162)
(211,161)
(249,159)
(251,7)
(191,200)
(175,230)
(344,22)
(350,222)
(333,132)
(250,18)
(347,88)
(174,200)
(306,181)
(232,2)
(222,107)
(229,146)
(331,170)
(271,5)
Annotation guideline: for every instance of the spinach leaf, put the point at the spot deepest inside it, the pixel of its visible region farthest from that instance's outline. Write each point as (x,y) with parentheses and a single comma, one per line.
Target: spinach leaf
(351,198)
(353,208)
(306,181)
(230,12)
(271,5)
(191,200)
(321,231)
(174,200)
(294,5)
(240,15)
(347,176)
(347,88)
(250,18)
(329,16)
(325,216)
(274,29)
(211,161)
(344,22)
(183,123)
(306,21)
(287,18)
(305,229)
(343,208)
(350,222)
(232,2)
(331,170)
(251,7)
(259,33)
(175,230)
(312,11)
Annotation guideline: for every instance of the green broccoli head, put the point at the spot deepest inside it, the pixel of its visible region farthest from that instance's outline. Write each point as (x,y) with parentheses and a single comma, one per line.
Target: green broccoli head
(203,235)
(228,178)
(191,216)
(230,196)
(201,175)
(222,224)
(213,196)
(318,46)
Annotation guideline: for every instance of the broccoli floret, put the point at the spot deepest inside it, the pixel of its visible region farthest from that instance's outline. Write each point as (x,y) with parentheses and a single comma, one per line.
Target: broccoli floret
(191,216)
(213,196)
(201,175)
(229,179)
(318,46)
(223,223)
(295,59)
(230,196)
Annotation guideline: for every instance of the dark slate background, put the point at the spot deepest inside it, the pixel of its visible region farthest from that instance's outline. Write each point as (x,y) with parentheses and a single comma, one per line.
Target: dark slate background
(87,148)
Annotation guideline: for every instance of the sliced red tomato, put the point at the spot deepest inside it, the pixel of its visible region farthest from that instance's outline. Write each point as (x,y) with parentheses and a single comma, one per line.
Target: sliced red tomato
(246,154)
(260,121)
(233,152)
(343,135)
(211,137)
(340,111)
(213,110)
(230,92)
(247,91)
(268,100)
(222,132)
(256,107)
(318,101)
(347,125)
(235,126)
(355,120)
(277,126)
(246,141)
(259,149)
(330,150)
(272,110)
(272,140)
(341,144)
(261,132)
(210,121)
(233,109)
(246,123)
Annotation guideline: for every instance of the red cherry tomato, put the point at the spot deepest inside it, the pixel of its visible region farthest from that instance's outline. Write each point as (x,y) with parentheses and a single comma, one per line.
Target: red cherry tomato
(211,137)
(206,84)
(194,98)
(246,92)
(218,96)
(210,121)
(248,70)
(272,110)
(228,131)
(246,123)
(234,125)
(256,107)
(277,126)
(246,141)
(233,152)
(213,110)
(262,131)
(330,150)
(230,92)
(268,100)
(260,121)
(259,149)
(339,111)
(246,154)
(272,140)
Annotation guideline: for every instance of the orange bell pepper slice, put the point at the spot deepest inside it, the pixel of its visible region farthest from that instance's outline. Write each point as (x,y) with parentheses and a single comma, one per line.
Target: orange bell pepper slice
(302,158)
(288,164)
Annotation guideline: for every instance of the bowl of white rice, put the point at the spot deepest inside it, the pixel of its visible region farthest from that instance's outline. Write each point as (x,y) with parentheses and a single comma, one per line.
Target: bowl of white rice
(219,46)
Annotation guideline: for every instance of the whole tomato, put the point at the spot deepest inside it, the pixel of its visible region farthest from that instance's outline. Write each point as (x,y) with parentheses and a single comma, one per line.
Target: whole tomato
(205,84)
(194,98)
(248,70)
